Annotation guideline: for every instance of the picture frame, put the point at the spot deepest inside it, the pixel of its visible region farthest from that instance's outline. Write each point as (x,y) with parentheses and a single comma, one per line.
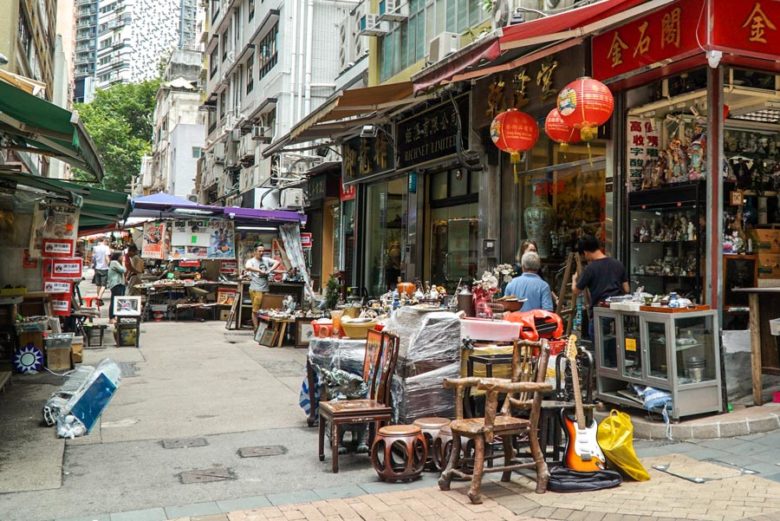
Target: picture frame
(304,331)
(260,331)
(125,306)
(268,339)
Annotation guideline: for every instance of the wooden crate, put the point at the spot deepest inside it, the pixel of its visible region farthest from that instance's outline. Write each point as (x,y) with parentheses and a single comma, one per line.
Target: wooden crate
(769,265)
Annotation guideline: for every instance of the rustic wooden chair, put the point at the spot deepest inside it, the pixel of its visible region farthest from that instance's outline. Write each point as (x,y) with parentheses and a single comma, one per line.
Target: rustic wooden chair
(525,395)
(375,409)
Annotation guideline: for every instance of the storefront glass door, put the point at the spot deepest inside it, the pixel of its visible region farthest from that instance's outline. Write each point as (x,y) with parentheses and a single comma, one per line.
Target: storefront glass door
(454,233)
(386,214)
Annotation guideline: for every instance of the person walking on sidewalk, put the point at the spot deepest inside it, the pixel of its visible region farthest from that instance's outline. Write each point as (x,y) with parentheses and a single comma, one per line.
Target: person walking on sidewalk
(100,258)
(603,277)
(258,268)
(116,280)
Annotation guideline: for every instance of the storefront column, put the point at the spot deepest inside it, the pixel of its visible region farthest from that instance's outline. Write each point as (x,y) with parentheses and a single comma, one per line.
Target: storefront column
(489,207)
(714,214)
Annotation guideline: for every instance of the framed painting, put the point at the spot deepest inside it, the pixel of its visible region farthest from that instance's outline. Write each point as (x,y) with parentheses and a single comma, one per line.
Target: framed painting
(269,337)
(127,306)
(304,331)
(260,331)
(371,360)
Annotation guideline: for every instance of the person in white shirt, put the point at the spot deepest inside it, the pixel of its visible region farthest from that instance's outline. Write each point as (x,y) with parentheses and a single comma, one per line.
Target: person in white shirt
(100,258)
(258,268)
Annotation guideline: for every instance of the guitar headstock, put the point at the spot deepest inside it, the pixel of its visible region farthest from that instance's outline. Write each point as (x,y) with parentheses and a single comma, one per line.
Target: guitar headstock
(571,348)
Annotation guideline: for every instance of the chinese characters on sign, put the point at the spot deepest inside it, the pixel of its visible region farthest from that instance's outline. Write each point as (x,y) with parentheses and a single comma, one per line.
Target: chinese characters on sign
(367,156)
(432,134)
(642,149)
(656,37)
(759,23)
(544,79)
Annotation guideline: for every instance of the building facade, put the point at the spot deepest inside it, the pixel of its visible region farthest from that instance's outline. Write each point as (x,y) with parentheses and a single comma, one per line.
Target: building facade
(269,64)
(113,43)
(179,135)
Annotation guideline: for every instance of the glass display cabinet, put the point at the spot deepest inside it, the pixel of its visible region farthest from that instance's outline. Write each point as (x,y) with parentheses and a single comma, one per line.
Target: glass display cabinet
(676,352)
(666,239)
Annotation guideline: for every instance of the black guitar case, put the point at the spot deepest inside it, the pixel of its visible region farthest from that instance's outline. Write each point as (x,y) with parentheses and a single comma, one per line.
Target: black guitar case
(563,479)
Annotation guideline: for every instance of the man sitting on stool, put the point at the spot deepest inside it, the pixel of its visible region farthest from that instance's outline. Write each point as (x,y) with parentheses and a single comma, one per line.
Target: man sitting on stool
(530,286)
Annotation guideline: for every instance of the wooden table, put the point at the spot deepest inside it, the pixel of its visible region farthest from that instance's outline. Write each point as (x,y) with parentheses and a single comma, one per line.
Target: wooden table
(278,326)
(764,356)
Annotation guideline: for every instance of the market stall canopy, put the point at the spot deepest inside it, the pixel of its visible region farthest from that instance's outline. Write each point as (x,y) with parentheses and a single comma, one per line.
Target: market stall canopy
(28,85)
(162,205)
(345,111)
(37,126)
(100,209)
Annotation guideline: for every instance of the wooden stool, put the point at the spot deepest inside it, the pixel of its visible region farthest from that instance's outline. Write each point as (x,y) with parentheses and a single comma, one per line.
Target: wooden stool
(399,453)
(430,427)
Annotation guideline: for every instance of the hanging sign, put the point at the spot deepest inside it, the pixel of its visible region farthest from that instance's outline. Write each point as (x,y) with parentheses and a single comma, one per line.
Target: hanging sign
(432,134)
(747,27)
(60,305)
(153,244)
(346,193)
(57,248)
(228,267)
(661,35)
(57,286)
(641,150)
(365,156)
(203,239)
(62,269)
(307,240)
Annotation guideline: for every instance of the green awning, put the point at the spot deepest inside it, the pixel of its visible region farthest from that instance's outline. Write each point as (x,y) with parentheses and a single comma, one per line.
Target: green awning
(37,126)
(99,208)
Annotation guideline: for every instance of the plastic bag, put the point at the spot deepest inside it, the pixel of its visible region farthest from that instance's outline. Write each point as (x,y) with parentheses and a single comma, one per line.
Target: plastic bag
(616,438)
(567,480)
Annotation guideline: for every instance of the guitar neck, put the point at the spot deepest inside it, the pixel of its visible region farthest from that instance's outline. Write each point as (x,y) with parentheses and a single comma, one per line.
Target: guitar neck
(575,383)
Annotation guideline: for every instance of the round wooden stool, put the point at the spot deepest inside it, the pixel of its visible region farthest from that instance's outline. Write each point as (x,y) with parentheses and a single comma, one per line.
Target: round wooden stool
(430,427)
(399,453)
(442,446)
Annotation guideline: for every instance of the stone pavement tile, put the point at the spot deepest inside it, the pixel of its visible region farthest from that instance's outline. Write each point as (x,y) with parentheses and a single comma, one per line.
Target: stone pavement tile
(215,517)
(287,498)
(247,503)
(773,477)
(149,514)
(380,487)
(339,492)
(196,509)
(99,517)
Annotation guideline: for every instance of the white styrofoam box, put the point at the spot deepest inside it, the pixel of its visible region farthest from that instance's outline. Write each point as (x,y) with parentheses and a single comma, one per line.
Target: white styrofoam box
(486,329)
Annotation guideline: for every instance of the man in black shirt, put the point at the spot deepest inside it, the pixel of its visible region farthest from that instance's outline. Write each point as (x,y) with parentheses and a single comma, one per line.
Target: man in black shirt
(603,276)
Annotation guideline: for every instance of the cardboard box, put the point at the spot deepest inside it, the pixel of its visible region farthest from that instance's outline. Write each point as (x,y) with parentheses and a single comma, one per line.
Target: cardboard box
(769,265)
(58,358)
(766,240)
(77,350)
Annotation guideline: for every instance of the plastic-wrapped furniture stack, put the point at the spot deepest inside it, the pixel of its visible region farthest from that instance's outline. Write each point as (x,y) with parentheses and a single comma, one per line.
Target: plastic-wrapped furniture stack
(429,353)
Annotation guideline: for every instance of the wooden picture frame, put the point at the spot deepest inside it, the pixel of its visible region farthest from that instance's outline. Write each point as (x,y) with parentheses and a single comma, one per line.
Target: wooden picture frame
(373,355)
(268,338)
(262,327)
(125,306)
(304,331)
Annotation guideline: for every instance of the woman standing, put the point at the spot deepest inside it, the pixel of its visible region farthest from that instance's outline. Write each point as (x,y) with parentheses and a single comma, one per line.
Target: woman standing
(116,280)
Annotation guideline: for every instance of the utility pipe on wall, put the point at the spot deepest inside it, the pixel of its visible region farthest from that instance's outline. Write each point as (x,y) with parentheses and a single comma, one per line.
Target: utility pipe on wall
(309,42)
(294,56)
(302,18)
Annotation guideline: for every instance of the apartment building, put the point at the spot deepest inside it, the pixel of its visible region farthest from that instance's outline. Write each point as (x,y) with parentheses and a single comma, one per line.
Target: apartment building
(269,64)
(122,41)
(179,135)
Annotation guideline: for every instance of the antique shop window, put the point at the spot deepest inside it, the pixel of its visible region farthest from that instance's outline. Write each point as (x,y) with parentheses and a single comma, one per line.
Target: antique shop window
(386,211)
(453,225)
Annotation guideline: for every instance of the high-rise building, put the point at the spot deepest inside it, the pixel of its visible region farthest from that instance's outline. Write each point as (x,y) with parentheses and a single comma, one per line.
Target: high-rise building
(123,41)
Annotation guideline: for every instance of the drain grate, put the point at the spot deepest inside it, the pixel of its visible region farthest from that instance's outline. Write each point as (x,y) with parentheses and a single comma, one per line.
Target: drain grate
(206,475)
(262,451)
(184,443)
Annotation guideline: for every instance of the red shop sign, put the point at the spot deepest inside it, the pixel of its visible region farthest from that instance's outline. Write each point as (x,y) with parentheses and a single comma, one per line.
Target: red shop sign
(661,35)
(347,193)
(747,27)
(60,305)
(307,239)
(62,269)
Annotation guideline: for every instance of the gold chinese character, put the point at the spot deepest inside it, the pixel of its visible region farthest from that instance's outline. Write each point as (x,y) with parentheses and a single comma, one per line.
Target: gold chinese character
(644,40)
(616,50)
(544,78)
(758,22)
(364,158)
(380,151)
(670,28)
(495,99)
(520,84)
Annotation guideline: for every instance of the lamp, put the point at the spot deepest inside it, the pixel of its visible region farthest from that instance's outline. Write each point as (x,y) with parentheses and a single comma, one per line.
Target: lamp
(369,131)
(713,58)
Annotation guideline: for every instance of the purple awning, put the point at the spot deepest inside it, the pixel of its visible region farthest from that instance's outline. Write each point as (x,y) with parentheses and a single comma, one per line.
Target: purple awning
(262,215)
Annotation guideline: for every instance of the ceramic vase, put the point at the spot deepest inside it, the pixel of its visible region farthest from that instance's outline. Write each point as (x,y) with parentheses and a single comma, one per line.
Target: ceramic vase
(539,220)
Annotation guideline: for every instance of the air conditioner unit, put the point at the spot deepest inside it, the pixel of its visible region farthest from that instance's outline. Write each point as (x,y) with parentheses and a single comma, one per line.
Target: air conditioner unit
(246,150)
(393,10)
(370,25)
(219,152)
(235,134)
(292,198)
(443,45)
(345,43)
(261,133)
(193,198)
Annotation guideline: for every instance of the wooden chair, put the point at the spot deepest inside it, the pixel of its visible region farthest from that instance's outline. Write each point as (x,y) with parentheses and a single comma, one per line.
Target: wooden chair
(375,409)
(482,431)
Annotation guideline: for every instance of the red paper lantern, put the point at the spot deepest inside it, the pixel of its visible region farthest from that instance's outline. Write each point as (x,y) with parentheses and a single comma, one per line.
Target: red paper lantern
(585,104)
(514,132)
(559,131)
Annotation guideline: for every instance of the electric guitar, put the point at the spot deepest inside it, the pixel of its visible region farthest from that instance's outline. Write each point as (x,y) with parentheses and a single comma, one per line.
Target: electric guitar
(583,453)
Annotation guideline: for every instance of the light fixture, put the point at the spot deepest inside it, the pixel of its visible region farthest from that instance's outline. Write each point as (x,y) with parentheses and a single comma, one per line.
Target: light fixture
(369,131)
(257,228)
(3,59)
(194,211)
(713,58)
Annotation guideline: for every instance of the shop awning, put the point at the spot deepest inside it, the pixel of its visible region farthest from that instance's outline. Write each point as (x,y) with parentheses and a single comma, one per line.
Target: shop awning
(37,126)
(487,49)
(346,110)
(99,208)
(259,215)
(28,85)
(575,22)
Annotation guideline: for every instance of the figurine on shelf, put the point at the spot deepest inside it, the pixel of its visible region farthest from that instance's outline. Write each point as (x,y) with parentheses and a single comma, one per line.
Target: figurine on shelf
(683,233)
(737,244)
(696,154)
(678,162)
(752,144)
(648,175)
(644,232)
(659,170)
(691,234)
